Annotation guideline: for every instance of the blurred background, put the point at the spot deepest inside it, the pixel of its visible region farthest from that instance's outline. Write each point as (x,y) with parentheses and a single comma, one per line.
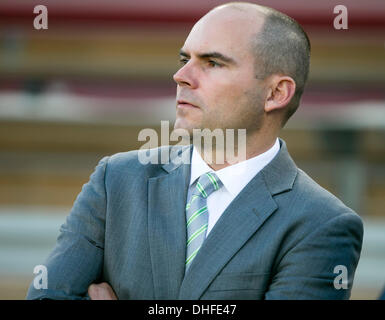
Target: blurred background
(102,71)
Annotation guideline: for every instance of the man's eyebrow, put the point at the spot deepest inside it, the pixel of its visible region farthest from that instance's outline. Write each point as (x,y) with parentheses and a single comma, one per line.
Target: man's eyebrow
(215,55)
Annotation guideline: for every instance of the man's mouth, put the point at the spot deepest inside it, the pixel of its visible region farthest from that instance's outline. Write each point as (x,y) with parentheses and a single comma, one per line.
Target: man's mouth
(183,104)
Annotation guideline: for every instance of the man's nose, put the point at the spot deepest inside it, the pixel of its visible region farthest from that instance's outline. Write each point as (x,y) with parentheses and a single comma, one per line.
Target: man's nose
(185,76)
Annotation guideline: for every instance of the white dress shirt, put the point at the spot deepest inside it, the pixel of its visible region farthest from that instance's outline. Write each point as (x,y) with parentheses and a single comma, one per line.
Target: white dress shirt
(234,179)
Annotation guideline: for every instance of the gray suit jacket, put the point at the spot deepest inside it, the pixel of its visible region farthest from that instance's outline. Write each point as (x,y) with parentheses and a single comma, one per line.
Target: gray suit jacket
(280,238)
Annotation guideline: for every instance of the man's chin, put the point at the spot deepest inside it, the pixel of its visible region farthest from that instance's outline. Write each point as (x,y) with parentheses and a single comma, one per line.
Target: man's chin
(182,124)
(183,129)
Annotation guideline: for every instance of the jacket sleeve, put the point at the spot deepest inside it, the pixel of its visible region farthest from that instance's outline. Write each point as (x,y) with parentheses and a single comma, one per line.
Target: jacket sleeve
(77,259)
(317,266)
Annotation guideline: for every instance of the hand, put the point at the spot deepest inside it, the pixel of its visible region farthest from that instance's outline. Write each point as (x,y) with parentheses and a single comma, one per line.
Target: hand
(101,291)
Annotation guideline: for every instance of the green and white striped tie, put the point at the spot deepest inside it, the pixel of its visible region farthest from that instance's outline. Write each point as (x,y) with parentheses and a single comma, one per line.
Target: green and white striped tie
(197,214)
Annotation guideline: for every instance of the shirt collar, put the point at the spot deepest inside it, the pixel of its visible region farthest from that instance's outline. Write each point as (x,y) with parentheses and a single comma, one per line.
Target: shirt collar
(237,176)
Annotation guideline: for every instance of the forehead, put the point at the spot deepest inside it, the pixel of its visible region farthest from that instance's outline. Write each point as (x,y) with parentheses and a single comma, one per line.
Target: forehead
(229,32)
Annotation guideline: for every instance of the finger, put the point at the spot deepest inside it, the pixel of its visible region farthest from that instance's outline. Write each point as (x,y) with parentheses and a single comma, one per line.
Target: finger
(101,291)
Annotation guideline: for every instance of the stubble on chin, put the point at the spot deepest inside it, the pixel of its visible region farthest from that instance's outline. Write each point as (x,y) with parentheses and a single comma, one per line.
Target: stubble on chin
(183,130)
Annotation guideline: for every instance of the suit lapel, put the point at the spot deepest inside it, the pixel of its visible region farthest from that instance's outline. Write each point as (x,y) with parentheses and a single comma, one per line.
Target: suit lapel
(167,228)
(238,223)
(243,217)
(167,224)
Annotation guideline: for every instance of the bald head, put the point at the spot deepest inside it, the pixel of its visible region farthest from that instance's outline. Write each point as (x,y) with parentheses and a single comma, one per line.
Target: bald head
(233,23)
(245,7)
(243,16)
(278,43)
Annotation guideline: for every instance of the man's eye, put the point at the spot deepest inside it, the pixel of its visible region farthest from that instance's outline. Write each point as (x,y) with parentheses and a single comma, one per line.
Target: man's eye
(214,64)
(183,61)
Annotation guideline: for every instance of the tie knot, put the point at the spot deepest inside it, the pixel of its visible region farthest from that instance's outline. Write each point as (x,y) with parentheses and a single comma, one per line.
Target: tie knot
(207,184)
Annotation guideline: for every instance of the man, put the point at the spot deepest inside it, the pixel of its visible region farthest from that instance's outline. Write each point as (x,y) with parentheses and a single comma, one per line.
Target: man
(256,229)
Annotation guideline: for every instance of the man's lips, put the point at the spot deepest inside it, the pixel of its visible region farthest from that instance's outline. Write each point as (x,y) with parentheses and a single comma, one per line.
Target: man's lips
(185,104)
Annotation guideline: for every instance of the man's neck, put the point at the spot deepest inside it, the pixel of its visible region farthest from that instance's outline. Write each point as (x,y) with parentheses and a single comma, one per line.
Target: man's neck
(217,158)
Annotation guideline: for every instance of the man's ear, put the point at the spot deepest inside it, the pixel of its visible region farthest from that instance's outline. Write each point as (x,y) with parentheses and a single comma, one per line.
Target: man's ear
(281,90)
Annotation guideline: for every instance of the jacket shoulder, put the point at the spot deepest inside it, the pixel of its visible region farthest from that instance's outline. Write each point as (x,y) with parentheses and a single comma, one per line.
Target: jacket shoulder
(137,158)
(315,197)
(148,161)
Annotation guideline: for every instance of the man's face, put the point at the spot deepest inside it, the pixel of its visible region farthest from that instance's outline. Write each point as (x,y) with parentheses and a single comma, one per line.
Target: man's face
(217,79)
